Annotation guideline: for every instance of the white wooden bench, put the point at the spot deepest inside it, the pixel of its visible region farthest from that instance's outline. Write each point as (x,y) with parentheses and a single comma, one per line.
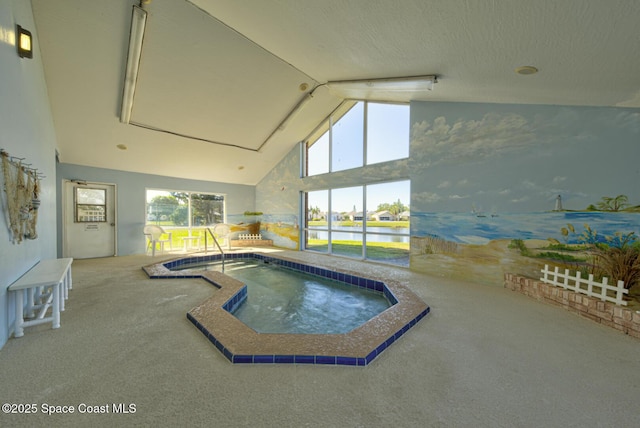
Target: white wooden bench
(44,286)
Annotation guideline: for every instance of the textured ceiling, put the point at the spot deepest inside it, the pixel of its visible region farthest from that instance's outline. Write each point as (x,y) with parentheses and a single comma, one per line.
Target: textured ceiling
(192,63)
(217,77)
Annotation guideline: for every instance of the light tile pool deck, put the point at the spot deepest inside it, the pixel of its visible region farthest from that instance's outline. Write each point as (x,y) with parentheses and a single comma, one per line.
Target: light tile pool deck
(483,357)
(242,345)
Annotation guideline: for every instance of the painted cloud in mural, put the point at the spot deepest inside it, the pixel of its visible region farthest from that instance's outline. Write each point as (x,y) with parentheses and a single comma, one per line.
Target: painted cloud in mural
(277,193)
(495,133)
(520,157)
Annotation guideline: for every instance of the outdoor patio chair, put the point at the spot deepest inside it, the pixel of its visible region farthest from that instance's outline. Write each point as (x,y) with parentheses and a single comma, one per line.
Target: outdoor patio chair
(155,238)
(223,232)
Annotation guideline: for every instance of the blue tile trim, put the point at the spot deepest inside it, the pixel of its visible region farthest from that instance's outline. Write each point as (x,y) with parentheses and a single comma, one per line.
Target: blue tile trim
(346,361)
(228,354)
(236,300)
(242,359)
(264,359)
(239,297)
(324,359)
(284,359)
(304,359)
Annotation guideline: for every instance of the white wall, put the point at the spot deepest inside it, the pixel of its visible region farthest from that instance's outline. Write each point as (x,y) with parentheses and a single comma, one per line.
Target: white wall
(26,131)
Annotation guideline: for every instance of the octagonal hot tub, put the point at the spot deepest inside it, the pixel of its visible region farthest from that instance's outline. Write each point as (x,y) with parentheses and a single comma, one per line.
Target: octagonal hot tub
(243,345)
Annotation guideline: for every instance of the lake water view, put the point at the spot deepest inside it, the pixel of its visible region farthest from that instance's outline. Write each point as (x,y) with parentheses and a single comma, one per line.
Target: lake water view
(467,228)
(348,233)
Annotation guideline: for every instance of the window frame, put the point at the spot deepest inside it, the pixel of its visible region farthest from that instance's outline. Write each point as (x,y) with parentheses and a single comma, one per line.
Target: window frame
(89,216)
(190,226)
(330,230)
(327,126)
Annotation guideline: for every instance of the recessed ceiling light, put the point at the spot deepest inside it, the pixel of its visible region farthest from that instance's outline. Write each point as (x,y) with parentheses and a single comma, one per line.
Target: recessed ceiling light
(526,70)
(122,147)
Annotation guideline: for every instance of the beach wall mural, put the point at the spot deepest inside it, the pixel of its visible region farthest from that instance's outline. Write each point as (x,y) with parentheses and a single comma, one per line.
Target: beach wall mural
(495,188)
(507,188)
(278,199)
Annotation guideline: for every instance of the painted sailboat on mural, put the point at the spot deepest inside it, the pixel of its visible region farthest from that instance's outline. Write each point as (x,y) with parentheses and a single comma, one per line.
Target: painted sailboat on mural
(520,160)
(478,212)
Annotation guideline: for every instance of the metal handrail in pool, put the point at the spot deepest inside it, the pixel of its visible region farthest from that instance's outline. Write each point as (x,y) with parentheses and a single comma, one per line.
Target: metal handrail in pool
(216,241)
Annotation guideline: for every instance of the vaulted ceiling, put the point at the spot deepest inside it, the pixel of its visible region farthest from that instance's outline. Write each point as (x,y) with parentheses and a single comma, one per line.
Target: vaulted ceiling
(217,78)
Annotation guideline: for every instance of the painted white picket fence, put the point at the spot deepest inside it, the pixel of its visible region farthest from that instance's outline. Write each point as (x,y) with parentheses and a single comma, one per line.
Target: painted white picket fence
(585,285)
(248,236)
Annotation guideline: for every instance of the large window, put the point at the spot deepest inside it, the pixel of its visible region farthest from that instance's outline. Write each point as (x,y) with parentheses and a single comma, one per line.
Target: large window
(175,209)
(364,134)
(184,213)
(370,222)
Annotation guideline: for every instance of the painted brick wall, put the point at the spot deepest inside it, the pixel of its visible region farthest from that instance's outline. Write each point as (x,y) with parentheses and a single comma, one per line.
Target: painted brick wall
(620,318)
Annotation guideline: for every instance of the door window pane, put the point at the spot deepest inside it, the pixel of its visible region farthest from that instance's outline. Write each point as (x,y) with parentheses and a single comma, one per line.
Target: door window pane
(91,205)
(91,196)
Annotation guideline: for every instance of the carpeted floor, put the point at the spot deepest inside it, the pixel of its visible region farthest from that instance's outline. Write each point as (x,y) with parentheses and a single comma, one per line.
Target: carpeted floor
(483,357)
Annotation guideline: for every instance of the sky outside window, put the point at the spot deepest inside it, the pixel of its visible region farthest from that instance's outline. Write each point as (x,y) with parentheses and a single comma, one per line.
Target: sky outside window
(388,193)
(387,132)
(318,156)
(348,140)
(343,200)
(387,138)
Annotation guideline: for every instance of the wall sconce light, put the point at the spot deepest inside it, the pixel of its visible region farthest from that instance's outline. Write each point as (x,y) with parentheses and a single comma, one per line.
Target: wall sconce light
(24,43)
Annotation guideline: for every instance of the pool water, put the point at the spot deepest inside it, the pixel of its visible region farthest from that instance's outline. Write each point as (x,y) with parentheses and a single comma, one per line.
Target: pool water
(241,344)
(281,300)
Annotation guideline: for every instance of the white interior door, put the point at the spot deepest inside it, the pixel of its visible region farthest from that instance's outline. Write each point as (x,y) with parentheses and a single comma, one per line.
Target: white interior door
(89,226)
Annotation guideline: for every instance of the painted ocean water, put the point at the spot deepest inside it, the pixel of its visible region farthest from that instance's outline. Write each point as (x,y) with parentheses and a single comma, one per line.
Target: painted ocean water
(467,228)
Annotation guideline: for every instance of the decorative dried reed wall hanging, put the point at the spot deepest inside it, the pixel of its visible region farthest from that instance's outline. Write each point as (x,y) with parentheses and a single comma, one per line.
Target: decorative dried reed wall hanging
(21,202)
